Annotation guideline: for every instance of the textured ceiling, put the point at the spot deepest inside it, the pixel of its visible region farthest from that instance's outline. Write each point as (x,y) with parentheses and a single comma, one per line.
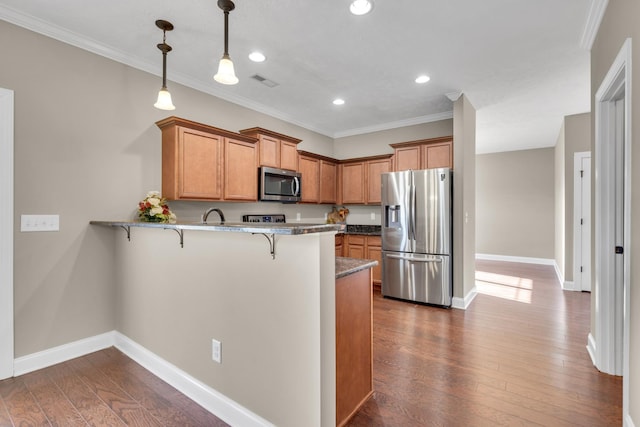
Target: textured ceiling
(519,62)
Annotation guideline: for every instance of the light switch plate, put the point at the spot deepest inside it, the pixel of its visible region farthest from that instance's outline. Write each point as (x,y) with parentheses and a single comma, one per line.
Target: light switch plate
(30,223)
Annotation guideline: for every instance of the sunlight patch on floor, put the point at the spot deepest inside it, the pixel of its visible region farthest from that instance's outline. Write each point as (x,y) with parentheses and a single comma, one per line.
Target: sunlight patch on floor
(512,288)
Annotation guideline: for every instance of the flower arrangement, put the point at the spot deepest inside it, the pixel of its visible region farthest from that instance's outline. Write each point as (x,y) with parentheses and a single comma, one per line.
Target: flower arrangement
(154,208)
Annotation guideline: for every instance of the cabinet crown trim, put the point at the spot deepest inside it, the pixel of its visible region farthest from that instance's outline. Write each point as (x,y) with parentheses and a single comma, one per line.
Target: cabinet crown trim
(317,156)
(422,141)
(261,131)
(366,159)
(177,121)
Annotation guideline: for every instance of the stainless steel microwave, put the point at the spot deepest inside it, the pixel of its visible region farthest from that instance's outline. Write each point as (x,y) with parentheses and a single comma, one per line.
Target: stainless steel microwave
(279,185)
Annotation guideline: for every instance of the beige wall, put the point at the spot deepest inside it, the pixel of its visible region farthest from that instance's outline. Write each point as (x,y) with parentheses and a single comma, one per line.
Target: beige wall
(378,142)
(559,202)
(277,340)
(86,147)
(622,20)
(574,137)
(515,203)
(464,197)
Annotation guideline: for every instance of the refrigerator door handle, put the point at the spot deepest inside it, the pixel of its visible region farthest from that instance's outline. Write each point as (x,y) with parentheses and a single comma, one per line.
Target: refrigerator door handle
(412,212)
(414,259)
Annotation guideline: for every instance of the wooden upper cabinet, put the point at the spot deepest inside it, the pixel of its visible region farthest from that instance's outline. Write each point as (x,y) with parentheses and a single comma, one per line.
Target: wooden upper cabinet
(309,168)
(328,181)
(353,182)
(202,162)
(319,178)
(360,179)
(275,149)
(375,168)
(408,158)
(424,154)
(241,174)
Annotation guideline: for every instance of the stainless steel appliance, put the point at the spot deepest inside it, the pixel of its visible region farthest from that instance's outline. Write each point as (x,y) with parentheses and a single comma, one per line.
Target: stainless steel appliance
(272,218)
(279,185)
(416,236)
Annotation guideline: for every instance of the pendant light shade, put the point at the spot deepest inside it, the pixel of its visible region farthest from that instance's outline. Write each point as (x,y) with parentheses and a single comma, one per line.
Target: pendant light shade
(226,73)
(164,97)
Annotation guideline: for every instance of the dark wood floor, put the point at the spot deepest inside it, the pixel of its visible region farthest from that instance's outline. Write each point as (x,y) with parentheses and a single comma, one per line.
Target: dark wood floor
(105,388)
(517,356)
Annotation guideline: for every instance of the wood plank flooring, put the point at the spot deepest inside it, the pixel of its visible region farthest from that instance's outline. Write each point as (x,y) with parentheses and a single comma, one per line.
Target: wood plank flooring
(516,357)
(105,388)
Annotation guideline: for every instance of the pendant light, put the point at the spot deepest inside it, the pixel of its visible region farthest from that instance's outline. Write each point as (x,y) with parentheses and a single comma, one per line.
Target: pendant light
(164,97)
(226,74)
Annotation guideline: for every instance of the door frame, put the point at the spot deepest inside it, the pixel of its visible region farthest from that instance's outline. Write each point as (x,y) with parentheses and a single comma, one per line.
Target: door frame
(578,228)
(6,234)
(602,346)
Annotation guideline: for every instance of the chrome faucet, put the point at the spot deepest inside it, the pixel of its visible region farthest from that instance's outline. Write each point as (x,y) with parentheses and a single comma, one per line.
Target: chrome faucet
(208,211)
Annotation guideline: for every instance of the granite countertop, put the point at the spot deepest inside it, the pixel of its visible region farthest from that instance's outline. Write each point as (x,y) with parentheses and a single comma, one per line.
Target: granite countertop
(369,230)
(347,266)
(239,227)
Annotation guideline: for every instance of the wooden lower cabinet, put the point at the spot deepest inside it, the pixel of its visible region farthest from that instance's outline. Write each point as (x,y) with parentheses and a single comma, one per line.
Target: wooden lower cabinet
(339,245)
(374,251)
(354,352)
(364,247)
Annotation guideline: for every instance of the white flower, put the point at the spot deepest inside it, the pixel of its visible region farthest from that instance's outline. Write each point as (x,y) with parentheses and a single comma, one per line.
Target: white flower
(155,194)
(154,201)
(156,210)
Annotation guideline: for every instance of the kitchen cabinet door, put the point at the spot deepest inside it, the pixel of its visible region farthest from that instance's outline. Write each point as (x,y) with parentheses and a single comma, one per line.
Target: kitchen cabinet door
(374,251)
(353,182)
(269,151)
(355,246)
(437,155)
(328,182)
(191,165)
(241,172)
(375,168)
(309,168)
(339,244)
(289,155)
(407,158)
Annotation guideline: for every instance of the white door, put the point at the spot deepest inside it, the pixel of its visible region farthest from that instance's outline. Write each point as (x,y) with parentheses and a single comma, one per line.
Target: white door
(582,221)
(6,233)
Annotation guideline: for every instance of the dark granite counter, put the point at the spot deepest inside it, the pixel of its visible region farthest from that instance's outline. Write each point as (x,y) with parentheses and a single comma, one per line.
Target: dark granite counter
(347,266)
(368,230)
(239,227)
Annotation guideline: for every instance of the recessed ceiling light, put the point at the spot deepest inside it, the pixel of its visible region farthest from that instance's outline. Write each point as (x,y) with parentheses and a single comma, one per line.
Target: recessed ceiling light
(257,57)
(338,101)
(361,7)
(422,79)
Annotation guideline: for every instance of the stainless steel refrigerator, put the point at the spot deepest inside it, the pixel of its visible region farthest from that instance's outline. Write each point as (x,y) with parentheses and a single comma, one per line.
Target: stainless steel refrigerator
(416,236)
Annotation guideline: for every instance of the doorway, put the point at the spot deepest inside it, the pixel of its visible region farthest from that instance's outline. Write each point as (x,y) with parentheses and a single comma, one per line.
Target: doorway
(6,233)
(582,221)
(609,342)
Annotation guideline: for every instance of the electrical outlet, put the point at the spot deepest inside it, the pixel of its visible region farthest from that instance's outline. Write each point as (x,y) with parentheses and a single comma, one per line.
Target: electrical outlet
(30,223)
(373,216)
(216,351)
(297,216)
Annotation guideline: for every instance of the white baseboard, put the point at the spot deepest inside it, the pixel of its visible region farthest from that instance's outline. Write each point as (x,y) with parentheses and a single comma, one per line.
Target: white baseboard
(628,422)
(42,359)
(569,286)
(213,401)
(463,303)
(591,349)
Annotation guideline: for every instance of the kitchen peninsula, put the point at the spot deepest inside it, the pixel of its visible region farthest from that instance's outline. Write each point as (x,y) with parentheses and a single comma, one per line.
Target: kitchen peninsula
(277,317)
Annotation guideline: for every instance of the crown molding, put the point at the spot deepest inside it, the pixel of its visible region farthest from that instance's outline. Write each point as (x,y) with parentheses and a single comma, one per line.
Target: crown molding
(58,33)
(398,124)
(594,19)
